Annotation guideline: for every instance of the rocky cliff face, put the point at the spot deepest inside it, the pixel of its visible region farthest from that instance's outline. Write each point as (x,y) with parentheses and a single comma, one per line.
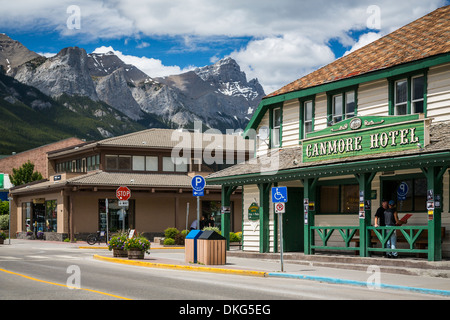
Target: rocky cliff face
(65,73)
(13,54)
(218,95)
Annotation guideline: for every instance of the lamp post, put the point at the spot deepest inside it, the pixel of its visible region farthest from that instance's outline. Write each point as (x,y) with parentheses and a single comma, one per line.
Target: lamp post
(9,224)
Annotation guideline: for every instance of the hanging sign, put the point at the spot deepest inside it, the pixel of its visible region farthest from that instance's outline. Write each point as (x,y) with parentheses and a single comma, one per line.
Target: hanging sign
(253,212)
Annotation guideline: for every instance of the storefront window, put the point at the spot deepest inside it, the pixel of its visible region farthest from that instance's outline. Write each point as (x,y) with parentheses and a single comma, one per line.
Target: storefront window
(119,218)
(339,199)
(409,194)
(26,214)
(51,221)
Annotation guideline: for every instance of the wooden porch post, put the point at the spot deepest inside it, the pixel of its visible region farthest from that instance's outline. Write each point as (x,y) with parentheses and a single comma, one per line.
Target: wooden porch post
(226,216)
(365,194)
(309,195)
(434,177)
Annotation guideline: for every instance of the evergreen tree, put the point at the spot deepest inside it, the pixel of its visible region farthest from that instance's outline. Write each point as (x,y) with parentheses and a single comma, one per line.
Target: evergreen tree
(25,174)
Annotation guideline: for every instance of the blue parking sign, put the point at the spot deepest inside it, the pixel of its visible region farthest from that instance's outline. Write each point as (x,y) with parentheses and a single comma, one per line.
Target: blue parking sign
(279,194)
(198,183)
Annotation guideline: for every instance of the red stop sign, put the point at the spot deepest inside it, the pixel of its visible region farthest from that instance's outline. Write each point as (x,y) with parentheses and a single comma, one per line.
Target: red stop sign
(123,193)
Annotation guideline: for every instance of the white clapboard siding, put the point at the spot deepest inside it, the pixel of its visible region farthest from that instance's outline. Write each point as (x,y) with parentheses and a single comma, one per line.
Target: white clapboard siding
(373,98)
(251,229)
(262,146)
(320,112)
(291,124)
(438,94)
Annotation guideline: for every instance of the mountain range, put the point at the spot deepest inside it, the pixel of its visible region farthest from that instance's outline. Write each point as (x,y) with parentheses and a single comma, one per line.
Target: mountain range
(94,96)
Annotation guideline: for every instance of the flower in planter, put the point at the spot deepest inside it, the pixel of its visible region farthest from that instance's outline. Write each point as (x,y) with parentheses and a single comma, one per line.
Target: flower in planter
(118,242)
(2,236)
(40,235)
(138,242)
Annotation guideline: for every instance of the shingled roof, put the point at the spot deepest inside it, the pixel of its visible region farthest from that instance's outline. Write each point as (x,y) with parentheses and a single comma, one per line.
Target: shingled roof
(426,37)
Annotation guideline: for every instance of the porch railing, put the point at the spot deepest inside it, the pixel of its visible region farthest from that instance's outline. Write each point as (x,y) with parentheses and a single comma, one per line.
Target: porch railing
(408,234)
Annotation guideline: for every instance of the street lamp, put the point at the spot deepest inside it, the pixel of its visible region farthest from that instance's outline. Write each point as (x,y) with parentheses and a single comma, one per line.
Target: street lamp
(9,224)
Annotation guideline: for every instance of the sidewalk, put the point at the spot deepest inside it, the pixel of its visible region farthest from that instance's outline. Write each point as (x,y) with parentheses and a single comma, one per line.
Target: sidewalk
(369,275)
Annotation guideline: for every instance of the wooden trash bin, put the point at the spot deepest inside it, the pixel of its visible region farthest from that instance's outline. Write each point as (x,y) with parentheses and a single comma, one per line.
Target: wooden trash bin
(211,248)
(190,246)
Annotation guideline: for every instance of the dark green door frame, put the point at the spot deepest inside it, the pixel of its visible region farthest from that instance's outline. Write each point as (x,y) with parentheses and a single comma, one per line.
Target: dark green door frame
(227,191)
(264,201)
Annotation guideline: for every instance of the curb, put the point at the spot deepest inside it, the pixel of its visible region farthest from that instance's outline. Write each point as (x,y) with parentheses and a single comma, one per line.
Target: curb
(158,248)
(182,267)
(359,283)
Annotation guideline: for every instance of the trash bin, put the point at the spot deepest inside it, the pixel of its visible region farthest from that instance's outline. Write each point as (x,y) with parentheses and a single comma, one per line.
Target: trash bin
(211,248)
(190,246)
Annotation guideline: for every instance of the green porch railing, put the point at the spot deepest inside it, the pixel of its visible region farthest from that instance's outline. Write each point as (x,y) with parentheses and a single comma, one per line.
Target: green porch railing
(410,235)
(325,233)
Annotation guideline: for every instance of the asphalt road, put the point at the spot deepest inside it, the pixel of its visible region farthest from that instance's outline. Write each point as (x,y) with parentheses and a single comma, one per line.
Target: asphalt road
(41,271)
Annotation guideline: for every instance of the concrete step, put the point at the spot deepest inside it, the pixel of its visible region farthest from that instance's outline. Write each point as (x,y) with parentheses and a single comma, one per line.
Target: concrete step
(407,266)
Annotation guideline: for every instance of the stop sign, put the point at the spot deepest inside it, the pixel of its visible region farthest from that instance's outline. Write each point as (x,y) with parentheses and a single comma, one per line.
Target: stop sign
(123,193)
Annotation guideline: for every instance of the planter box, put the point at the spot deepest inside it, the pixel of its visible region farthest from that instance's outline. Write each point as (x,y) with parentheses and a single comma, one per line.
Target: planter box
(135,254)
(211,248)
(119,253)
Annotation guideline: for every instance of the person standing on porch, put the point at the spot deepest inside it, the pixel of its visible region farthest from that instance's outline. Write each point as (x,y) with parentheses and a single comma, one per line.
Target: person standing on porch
(391,220)
(379,216)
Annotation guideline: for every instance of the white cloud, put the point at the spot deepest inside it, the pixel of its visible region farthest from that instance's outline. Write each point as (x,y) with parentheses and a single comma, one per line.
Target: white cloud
(290,37)
(277,61)
(152,67)
(364,40)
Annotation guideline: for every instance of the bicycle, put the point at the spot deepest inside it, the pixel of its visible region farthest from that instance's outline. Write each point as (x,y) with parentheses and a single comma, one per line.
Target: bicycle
(96,237)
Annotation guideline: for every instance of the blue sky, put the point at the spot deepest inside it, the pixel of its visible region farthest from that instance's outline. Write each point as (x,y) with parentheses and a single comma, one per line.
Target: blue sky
(275,41)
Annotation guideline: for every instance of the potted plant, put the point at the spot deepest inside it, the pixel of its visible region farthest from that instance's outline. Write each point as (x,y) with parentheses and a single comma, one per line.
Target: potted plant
(117,245)
(40,235)
(137,246)
(2,237)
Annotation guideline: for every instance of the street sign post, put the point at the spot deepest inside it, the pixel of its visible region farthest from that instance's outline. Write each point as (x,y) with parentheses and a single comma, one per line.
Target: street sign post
(198,184)
(279,199)
(123,193)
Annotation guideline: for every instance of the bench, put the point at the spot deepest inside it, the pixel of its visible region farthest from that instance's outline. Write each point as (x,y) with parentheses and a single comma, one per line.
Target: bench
(421,242)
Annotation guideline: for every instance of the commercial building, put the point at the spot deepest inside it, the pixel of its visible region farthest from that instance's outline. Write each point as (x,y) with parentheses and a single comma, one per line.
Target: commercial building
(157,165)
(371,125)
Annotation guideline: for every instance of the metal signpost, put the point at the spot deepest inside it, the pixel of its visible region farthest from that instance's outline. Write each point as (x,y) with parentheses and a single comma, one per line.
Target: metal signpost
(279,199)
(123,194)
(198,184)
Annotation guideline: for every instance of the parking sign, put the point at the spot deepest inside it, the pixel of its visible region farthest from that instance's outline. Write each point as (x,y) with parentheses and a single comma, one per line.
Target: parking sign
(279,194)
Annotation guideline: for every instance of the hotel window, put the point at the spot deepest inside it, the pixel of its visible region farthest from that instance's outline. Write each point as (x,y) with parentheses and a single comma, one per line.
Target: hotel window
(408,95)
(306,118)
(410,194)
(343,106)
(339,199)
(143,163)
(276,128)
(112,162)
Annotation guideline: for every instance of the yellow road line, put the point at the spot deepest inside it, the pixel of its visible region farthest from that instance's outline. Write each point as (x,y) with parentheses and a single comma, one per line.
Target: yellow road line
(182,267)
(63,285)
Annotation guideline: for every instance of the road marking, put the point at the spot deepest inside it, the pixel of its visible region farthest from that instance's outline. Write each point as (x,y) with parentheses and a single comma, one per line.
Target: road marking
(9,258)
(63,285)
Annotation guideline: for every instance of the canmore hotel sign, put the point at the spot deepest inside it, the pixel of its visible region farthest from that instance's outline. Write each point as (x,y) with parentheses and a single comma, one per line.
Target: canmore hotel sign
(367,135)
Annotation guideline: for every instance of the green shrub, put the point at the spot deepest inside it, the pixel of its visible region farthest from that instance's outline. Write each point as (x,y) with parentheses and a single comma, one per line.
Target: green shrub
(171,233)
(169,242)
(234,237)
(212,229)
(4,222)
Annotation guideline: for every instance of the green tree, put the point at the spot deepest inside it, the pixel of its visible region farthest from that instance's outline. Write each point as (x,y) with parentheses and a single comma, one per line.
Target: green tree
(25,174)
(4,207)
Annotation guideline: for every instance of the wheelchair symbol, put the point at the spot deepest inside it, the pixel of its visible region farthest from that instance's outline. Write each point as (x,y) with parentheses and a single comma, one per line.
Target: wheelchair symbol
(279,195)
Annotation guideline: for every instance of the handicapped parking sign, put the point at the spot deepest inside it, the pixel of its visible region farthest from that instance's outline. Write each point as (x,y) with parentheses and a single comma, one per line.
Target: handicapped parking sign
(279,195)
